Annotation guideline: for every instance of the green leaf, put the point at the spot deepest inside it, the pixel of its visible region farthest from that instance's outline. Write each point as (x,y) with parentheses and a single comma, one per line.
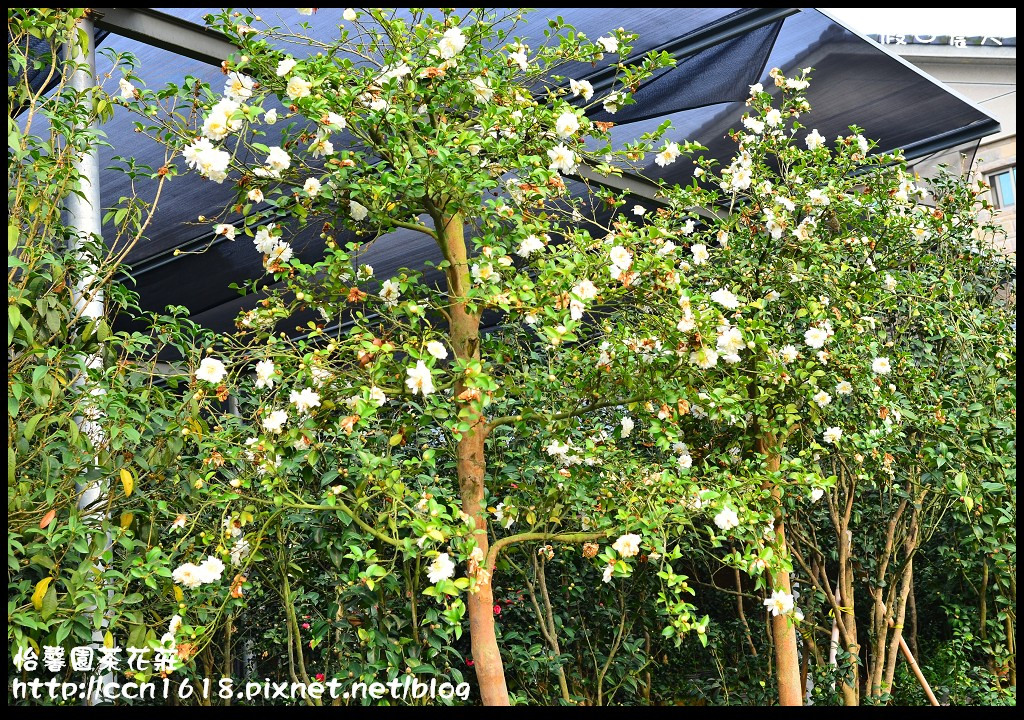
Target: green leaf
(49,604)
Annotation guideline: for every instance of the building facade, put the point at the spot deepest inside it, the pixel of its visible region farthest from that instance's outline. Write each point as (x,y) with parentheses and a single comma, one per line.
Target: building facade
(984,70)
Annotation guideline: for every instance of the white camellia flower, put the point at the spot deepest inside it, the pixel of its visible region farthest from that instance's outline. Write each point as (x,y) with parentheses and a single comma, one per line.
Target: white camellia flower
(348,15)
(270,116)
(420,380)
(818,197)
(621,257)
(582,88)
(239,551)
(285,66)
(608,571)
(730,341)
(255,195)
(336,122)
(194,152)
(187,575)
(584,290)
(357,211)
(611,103)
(881,366)
(727,519)
(773,117)
(610,44)
(627,545)
(741,178)
(281,253)
(816,494)
(499,516)
(668,155)
(832,435)
(442,568)
(211,569)
(700,253)
(451,43)
(815,337)
(265,372)
(482,92)
(213,164)
(278,159)
(756,88)
(389,293)
(437,349)
(520,58)
(639,210)
(126,88)
(394,72)
(377,396)
(725,298)
(627,426)
(780,603)
(567,124)
(225,229)
(304,400)
(274,422)
(265,241)
(304,11)
(529,245)
(562,159)
(238,86)
(754,125)
(220,121)
(814,140)
(705,358)
(211,370)
(298,88)
(312,187)
(843,388)
(822,398)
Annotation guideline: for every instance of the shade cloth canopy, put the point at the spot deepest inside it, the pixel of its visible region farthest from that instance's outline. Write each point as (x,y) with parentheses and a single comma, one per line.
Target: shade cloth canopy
(719,51)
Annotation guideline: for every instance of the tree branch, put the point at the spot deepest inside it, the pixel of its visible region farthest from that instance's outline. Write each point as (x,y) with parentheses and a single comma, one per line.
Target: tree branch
(492,554)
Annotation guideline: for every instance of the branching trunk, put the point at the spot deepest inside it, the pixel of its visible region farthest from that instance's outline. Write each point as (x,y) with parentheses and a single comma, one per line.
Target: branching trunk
(787,660)
(546,620)
(464,333)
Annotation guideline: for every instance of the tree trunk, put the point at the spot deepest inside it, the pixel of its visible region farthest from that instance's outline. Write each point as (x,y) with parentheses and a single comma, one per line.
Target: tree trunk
(787,661)
(912,619)
(464,333)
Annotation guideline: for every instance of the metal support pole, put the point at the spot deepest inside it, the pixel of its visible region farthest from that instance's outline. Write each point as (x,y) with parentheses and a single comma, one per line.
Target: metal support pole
(83,214)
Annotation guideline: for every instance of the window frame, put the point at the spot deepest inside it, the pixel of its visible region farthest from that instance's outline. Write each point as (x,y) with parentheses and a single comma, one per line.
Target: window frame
(995,191)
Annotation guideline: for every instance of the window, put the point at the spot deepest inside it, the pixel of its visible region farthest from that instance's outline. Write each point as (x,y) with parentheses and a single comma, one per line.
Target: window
(1004,188)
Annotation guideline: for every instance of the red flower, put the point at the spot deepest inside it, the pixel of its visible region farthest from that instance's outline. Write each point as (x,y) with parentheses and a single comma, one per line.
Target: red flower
(305,626)
(320,677)
(469,662)
(497,609)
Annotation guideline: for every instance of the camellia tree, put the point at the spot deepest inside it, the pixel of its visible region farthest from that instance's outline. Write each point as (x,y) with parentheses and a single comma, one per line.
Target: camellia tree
(433,120)
(737,332)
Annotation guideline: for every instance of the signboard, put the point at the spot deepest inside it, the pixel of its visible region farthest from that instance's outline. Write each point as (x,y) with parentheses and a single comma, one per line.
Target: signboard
(951,40)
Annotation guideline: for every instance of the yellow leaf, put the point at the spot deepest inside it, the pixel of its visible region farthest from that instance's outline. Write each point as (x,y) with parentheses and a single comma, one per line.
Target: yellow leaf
(128,481)
(40,592)
(179,596)
(108,640)
(126,520)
